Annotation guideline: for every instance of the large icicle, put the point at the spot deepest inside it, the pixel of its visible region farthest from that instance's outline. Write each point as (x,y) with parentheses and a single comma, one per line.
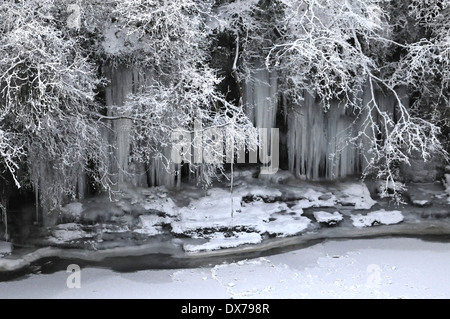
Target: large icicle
(261,100)
(318,141)
(124,81)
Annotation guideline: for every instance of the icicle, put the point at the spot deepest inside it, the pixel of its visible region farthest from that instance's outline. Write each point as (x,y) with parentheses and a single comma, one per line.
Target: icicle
(5,220)
(264,99)
(81,185)
(159,173)
(318,141)
(125,80)
(36,200)
(261,100)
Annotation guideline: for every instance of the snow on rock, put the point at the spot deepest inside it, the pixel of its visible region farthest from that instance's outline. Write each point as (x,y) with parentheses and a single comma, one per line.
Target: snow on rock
(421,203)
(280,177)
(100,212)
(264,192)
(377,217)
(273,218)
(284,225)
(312,195)
(328,218)
(260,208)
(212,211)
(5,248)
(303,203)
(139,200)
(151,225)
(163,204)
(221,240)
(356,195)
(313,198)
(68,232)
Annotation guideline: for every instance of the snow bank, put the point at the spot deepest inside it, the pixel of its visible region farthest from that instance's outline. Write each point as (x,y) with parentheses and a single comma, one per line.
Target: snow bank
(221,240)
(377,217)
(212,213)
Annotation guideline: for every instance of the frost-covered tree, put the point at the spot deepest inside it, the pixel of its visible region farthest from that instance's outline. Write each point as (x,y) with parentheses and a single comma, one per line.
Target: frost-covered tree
(337,50)
(170,41)
(47,93)
(423,34)
(52,121)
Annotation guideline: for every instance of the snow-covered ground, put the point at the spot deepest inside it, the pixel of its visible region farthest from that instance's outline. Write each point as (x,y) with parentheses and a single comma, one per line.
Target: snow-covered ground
(259,215)
(359,268)
(257,209)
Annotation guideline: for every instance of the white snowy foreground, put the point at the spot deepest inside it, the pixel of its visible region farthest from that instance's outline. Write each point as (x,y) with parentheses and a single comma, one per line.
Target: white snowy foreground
(358,268)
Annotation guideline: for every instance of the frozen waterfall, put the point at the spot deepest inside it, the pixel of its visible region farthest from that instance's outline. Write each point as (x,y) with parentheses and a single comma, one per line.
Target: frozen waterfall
(124,81)
(317,140)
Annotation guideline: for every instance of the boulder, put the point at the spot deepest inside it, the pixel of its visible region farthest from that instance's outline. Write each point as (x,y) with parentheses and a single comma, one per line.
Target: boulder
(329,219)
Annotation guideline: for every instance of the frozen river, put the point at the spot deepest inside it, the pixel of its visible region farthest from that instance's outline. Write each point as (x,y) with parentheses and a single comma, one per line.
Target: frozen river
(356,268)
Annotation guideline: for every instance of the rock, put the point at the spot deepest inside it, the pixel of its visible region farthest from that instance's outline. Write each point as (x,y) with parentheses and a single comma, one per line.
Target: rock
(102,212)
(421,203)
(380,217)
(424,194)
(326,196)
(435,214)
(347,201)
(116,236)
(330,219)
(356,195)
